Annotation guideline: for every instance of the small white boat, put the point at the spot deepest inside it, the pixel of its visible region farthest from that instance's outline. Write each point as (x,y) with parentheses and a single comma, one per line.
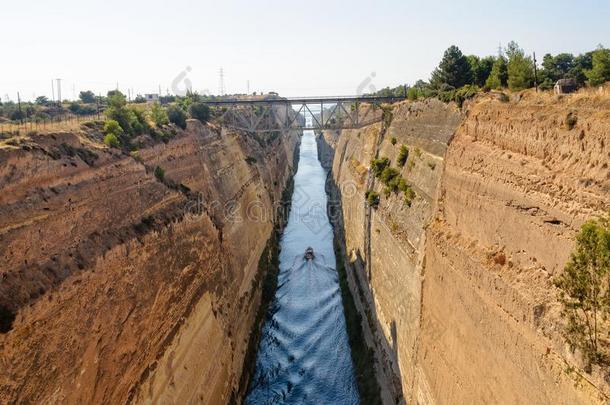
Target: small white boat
(309,253)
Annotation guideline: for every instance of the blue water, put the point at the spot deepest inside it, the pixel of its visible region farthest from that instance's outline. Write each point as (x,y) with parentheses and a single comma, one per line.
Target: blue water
(304,354)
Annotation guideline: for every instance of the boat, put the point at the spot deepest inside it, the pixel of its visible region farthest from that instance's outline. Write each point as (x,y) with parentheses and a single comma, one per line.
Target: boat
(309,253)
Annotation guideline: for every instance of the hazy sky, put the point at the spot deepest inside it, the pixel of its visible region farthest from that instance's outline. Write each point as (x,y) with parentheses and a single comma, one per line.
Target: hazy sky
(292,47)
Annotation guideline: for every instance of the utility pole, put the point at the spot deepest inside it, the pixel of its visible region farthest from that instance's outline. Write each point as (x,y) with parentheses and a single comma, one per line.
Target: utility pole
(97,105)
(52,91)
(19,104)
(248,87)
(535,74)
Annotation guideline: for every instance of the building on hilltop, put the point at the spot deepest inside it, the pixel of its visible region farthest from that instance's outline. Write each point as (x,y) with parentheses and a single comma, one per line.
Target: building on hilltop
(566,86)
(151,98)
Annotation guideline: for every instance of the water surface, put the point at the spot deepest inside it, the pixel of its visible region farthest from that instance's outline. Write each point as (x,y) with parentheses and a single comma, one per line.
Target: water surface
(304,355)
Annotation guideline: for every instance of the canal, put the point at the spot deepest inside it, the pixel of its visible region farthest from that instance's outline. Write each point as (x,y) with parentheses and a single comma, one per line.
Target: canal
(304,355)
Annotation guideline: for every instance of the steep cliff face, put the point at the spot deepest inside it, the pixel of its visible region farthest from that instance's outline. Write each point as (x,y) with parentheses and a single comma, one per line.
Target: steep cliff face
(385,245)
(518,184)
(457,288)
(131,284)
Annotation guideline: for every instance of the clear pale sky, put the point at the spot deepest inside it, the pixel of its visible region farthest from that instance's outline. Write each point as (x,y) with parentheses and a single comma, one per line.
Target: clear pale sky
(292,47)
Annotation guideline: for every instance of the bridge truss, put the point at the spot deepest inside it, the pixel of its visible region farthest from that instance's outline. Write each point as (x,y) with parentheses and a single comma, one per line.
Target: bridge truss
(285,114)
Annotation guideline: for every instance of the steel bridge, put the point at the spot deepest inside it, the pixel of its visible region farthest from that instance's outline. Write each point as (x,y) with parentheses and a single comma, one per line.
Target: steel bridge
(284,114)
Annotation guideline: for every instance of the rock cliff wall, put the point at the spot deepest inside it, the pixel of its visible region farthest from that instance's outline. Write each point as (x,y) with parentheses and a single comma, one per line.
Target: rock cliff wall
(130,284)
(456,289)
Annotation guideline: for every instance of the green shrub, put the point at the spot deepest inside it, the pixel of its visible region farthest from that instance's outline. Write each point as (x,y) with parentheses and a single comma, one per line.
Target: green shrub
(136,155)
(377,165)
(112,141)
(177,116)
(403,155)
(413,93)
(117,111)
(200,112)
(409,195)
(159,173)
(158,115)
(112,127)
(388,174)
(571,121)
(372,198)
(393,140)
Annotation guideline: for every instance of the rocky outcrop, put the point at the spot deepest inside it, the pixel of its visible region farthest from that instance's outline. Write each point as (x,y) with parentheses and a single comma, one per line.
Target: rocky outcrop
(456,289)
(128,282)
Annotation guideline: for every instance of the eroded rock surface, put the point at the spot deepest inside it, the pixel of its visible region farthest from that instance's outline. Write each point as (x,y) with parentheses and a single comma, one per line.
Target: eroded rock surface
(128,285)
(456,290)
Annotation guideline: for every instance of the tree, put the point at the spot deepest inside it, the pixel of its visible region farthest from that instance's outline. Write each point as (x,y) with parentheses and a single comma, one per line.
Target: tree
(584,289)
(481,68)
(158,115)
(200,111)
(520,68)
(600,72)
(555,68)
(74,107)
(42,100)
(498,77)
(177,116)
(139,99)
(87,97)
(582,63)
(453,70)
(129,119)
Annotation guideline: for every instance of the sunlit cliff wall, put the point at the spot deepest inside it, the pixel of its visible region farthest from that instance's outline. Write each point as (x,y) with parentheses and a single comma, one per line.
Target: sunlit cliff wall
(457,288)
(129,286)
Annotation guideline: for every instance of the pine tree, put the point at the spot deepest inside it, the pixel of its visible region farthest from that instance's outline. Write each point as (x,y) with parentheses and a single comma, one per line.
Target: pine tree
(453,70)
(600,73)
(520,68)
(585,295)
(498,77)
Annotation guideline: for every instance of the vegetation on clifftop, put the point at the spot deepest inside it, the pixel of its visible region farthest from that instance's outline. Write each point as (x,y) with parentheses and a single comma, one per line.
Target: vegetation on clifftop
(459,77)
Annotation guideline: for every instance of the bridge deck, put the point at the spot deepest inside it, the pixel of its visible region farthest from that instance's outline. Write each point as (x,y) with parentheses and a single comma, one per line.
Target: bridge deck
(307,100)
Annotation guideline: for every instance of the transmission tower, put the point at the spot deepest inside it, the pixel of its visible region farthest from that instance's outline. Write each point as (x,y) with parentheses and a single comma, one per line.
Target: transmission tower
(221,82)
(58,91)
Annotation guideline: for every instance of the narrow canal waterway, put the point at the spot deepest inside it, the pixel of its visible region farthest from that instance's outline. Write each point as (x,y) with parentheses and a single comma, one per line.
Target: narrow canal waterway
(304,354)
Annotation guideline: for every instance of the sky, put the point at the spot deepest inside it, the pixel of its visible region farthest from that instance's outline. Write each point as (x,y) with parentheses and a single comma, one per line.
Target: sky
(304,48)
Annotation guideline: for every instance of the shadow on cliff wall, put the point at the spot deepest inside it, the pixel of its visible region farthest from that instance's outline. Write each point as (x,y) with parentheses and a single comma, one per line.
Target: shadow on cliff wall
(386,352)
